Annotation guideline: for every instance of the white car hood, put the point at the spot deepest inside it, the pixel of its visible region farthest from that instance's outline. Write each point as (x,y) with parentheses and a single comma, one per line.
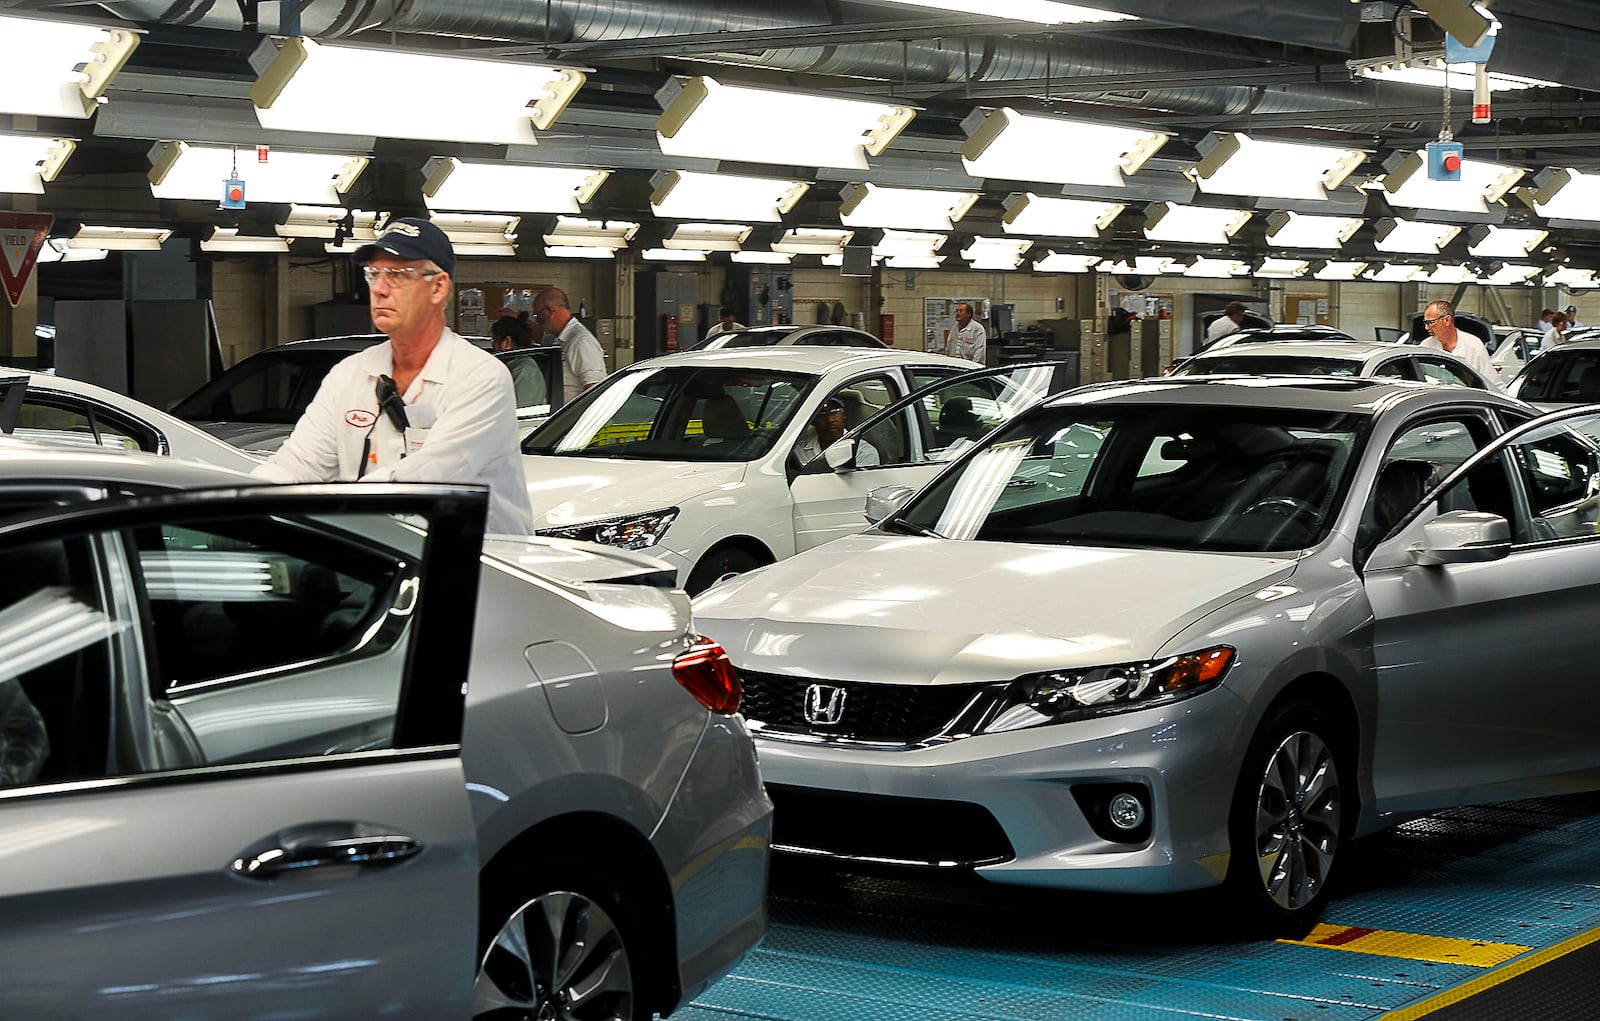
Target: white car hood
(913,610)
(259,437)
(571,490)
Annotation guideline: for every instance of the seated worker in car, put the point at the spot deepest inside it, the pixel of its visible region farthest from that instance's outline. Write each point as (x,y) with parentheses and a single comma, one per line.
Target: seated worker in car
(24,742)
(512,333)
(827,425)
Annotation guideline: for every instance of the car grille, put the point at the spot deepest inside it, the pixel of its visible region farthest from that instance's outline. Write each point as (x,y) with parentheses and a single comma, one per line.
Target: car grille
(889,830)
(887,713)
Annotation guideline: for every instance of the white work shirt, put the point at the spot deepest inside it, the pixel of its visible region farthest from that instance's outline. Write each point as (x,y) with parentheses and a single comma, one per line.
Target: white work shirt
(717,328)
(809,447)
(462,428)
(970,342)
(1221,327)
(583,364)
(1470,350)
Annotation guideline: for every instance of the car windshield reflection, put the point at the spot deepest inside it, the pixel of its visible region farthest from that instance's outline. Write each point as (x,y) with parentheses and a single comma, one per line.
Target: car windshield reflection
(676,413)
(1180,477)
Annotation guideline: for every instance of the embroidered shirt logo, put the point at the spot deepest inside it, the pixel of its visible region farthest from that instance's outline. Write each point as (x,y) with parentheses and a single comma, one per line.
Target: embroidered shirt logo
(361,418)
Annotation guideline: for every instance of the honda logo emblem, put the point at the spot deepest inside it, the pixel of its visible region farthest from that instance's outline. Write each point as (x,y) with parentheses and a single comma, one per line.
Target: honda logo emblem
(824,705)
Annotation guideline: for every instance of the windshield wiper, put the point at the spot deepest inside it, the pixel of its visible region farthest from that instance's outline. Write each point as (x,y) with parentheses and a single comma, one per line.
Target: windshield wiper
(901,524)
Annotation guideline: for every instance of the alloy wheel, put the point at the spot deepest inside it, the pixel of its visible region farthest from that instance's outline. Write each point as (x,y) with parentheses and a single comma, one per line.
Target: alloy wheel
(559,957)
(1298,818)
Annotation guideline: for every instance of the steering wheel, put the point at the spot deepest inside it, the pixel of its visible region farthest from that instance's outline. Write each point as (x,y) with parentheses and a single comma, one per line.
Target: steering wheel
(1282,507)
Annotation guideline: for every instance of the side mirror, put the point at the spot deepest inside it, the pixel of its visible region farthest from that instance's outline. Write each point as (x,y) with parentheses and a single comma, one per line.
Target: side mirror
(1463,537)
(886,500)
(841,456)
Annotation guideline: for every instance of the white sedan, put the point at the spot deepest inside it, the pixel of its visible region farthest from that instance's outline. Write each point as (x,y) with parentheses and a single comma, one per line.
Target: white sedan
(710,460)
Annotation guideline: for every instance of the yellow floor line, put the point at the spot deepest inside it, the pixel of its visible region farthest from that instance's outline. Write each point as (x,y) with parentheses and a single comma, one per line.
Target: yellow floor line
(1455,994)
(1411,946)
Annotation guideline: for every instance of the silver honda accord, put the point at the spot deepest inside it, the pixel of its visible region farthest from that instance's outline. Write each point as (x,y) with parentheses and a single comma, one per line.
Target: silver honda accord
(1166,634)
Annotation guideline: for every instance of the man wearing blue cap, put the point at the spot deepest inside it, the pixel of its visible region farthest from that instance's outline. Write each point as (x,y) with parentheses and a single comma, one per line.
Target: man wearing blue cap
(424,406)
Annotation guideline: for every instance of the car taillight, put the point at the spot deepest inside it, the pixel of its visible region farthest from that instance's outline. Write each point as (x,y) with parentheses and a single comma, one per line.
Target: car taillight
(705,672)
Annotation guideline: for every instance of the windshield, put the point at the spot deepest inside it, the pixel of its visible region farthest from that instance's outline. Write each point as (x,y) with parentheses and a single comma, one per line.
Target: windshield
(1260,365)
(676,413)
(1181,477)
(270,388)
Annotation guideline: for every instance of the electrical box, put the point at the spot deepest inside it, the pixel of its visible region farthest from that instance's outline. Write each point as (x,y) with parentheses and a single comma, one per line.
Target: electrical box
(1444,161)
(657,298)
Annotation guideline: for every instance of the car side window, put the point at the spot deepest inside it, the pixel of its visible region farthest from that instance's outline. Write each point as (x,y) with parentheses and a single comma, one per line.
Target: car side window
(263,598)
(1561,471)
(1421,455)
(1435,370)
(50,419)
(1394,368)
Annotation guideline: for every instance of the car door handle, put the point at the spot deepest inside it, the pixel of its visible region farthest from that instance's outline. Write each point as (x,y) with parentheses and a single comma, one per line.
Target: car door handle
(325,845)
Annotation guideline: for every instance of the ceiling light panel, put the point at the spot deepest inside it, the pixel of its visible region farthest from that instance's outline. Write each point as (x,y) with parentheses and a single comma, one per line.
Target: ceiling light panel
(120,239)
(61,250)
(1511,274)
(813,241)
(1217,268)
(995,253)
(1048,216)
(1008,144)
(871,205)
(309,221)
(1143,265)
(1572,279)
(908,244)
(1413,236)
(580,252)
(1338,270)
(56,69)
(1299,230)
(1565,194)
(311,86)
(479,234)
(704,118)
(575,232)
(1043,12)
(1482,185)
(1280,269)
(464,186)
(1433,74)
(1066,262)
(1492,242)
(27,162)
(687,195)
(228,239)
(710,237)
(1169,221)
(674,255)
(1397,273)
(763,258)
(181,170)
(1452,274)
(1236,164)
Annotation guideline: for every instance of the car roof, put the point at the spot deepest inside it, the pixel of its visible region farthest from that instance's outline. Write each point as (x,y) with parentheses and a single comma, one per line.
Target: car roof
(801,358)
(1358,394)
(349,342)
(1355,350)
(22,460)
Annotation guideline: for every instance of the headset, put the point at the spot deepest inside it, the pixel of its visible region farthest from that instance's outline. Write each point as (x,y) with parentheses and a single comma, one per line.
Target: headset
(393,407)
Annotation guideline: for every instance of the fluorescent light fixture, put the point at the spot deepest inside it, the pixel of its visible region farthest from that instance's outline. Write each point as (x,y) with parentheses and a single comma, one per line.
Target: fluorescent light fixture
(1143,266)
(674,255)
(1027,213)
(120,239)
(1448,273)
(1492,242)
(1482,184)
(1565,194)
(686,195)
(60,250)
(479,234)
(909,244)
(56,69)
(813,241)
(872,205)
(1169,221)
(1236,164)
(711,237)
(1043,12)
(707,119)
(575,232)
(228,239)
(1572,279)
(181,170)
(579,252)
(1008,144)
(312,86)
(1397,273)
(1511,274)
(996,253)
(1066,262)
(1287,229)
(1434,73)
(1217,268)
(28,161)
(324,222)
(1413,236)
(1334,269)
(464,186)
(763,258)
(913,261)
(1280,269)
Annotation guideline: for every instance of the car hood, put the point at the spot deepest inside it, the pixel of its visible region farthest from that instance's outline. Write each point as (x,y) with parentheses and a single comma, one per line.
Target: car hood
(256,437)
(571,490)
(576,564)
(919,610)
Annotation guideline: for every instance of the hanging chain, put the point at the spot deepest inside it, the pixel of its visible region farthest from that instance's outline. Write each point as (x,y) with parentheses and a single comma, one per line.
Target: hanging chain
(1444,126)
(235,174)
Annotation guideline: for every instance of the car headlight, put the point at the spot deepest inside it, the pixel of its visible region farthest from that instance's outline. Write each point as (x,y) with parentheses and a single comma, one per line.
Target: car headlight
(1058,696)
(629,531)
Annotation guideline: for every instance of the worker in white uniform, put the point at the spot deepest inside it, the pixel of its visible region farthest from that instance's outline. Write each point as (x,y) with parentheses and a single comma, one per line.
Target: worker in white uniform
(1439,319)
(583,363)
(971,340)
(426,405)
(1230,321)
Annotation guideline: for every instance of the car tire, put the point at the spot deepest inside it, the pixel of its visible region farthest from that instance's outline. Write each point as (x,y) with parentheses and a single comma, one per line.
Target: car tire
(558,940)
(1287,822)
(719,563)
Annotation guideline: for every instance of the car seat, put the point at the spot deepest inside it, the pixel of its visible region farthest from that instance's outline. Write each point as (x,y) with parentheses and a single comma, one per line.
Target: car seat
(1400,487)
(1589,385)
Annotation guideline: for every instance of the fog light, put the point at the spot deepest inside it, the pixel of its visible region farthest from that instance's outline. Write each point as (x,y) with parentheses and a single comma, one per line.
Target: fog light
(1126,812)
